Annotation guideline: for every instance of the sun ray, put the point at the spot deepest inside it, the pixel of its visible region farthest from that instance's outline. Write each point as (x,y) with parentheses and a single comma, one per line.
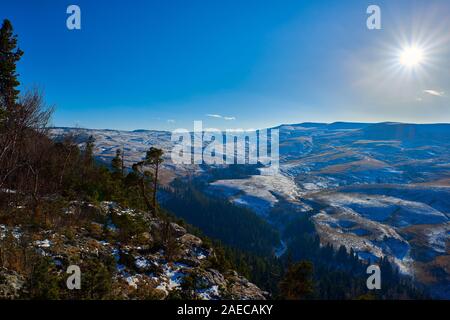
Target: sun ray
(411,56)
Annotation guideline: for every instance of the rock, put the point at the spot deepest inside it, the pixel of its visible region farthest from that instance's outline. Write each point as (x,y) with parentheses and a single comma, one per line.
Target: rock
(147,237)
(189,261)
(189,240)
(211,277)
(240,288)
(177,230)
(11,284)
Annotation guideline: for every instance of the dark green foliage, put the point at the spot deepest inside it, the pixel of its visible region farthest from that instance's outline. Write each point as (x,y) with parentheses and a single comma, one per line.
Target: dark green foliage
(96,281)
(88,152)
(147,172)
(129,226)
(9,56)
(339,274)
(234,226)
(117,164)
(265,271)
(298,281)
(234,171)
(44,283)
(245,241)
(220,260)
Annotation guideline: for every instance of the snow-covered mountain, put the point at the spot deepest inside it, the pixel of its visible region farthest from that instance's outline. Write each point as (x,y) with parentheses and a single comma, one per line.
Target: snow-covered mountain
(382,189)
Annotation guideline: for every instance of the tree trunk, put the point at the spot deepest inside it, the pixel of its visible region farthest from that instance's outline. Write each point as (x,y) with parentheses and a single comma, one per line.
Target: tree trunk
(146,199)
(155,186)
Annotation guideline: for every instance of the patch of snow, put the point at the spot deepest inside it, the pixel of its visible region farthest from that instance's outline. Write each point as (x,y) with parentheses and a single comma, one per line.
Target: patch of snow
(141,263)
(132,281)
(172,277)
(211,293)
(438,238)
(281,249)
(43,244)
(259,192)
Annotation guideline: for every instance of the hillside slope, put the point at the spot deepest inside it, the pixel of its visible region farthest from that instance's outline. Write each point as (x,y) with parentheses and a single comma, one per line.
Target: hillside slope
(114,265)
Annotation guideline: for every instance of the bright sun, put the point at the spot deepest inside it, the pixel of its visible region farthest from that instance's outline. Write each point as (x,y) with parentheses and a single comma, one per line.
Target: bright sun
(411,56)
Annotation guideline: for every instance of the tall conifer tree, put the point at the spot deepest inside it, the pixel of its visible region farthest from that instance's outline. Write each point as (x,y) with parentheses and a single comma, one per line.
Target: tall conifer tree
(10,54)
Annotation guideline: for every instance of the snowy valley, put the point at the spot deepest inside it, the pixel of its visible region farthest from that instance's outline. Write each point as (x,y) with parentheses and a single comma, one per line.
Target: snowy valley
(382,189)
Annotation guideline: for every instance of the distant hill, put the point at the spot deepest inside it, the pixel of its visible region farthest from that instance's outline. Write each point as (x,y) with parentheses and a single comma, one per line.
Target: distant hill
(406,131)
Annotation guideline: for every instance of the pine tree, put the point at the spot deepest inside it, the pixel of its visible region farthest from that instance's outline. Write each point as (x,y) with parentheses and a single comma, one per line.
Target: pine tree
(154,160)
(9,56)
(117,162)
(10,132)
(88,158)
(298,282)
(89,151)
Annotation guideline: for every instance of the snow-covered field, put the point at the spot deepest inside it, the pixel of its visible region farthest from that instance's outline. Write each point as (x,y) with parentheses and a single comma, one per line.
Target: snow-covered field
(259,192)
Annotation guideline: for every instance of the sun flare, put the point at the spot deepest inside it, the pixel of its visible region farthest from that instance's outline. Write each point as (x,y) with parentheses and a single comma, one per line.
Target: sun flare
(411,56)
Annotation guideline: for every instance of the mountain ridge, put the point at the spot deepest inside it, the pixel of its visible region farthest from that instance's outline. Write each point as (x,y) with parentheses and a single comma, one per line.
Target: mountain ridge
(304,124)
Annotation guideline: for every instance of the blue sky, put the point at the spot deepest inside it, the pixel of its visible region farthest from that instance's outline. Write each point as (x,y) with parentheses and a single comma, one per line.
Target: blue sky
(233,64)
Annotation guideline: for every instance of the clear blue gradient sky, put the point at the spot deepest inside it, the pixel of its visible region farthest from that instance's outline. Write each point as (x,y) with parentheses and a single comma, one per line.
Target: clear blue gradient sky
(161,64)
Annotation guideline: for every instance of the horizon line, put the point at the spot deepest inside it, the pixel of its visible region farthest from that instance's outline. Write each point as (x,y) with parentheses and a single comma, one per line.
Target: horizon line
(273,127)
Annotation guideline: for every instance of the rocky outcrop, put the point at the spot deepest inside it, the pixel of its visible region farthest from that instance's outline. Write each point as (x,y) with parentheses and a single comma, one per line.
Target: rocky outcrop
(150,258)
(240,288)
(11,284)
